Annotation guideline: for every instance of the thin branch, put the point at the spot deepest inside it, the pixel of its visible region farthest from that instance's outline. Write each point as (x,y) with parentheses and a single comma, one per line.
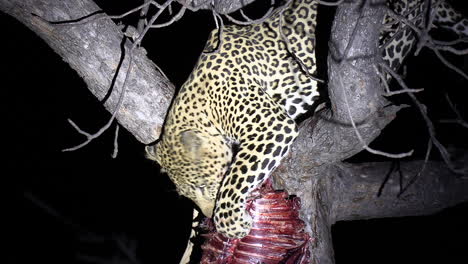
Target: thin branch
(150,23)
(325,3)
(116,144)
(143,22)
(459,119)
(430,127)
(452,50)
(387,177)
(426,41)
(98,15)
(447,63)
(173,19)
(387,88)
(249,20)
(451,42)
(220,27)
(195,8)
(91,137)
(423,167)
(128,250)
(424,35)
(358,134)
(136,43)
(140,7)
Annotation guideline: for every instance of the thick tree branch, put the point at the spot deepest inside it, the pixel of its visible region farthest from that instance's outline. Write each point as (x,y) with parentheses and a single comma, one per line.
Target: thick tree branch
(328,138)
(95,50)
(355,89)
(329,189)
(355,189)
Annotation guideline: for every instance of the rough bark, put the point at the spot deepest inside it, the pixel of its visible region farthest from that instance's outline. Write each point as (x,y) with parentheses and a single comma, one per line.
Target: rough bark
(94,51)
(221,6)
(330,190)
(355,189)
(343,192)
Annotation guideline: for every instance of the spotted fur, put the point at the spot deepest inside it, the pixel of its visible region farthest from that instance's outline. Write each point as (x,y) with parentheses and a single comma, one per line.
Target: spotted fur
(398,39)
(244,93)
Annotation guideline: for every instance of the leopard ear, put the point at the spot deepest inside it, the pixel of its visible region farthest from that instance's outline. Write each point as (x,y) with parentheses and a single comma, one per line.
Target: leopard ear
(192,143)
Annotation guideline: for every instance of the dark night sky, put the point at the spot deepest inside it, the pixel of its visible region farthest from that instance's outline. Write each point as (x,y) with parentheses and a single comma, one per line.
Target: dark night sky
(125,196)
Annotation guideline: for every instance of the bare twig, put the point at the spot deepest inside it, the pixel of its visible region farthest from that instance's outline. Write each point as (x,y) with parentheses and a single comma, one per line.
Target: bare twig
(424,35)
(452,50)
(325,3)
(250,21)
(195,8)
(404,89)
(142,22)
(91,137)
(425,40)
(128,250)
(423,167)
(98,15)
(220,27)
(430,126)
(358,134)
(451,42)
(459,119)
(447,63)
(136,44)
(150,23)
(116,144)
(173,19)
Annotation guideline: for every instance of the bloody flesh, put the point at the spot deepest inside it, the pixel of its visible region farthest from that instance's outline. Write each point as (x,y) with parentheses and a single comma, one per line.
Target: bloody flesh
(277,234)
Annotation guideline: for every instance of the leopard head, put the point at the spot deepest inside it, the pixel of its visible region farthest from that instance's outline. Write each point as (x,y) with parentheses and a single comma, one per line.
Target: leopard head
(196,162)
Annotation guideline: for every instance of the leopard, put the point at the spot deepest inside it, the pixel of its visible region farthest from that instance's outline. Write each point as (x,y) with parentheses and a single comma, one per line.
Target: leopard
(397,38)
(234,119)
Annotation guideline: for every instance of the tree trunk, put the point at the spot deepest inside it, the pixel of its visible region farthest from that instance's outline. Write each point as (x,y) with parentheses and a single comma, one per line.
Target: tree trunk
(329,189)
(95,50)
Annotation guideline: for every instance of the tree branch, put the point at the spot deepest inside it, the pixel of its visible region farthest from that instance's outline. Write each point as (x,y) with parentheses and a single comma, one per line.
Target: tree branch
(355,188)
(94,50)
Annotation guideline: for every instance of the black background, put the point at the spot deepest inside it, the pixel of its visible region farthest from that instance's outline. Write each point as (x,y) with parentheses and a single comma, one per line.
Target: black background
(112,198)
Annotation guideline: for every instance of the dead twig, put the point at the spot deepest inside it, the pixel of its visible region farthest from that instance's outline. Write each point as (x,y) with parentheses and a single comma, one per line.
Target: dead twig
(430,126)
(423,167)
(459,119)
(388,92)
(325,3)
(220,28)
(91,137)
(425,40)
(98,15)
(142,22)
(250,21)
(130,52)
(172,20)
(358,134)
